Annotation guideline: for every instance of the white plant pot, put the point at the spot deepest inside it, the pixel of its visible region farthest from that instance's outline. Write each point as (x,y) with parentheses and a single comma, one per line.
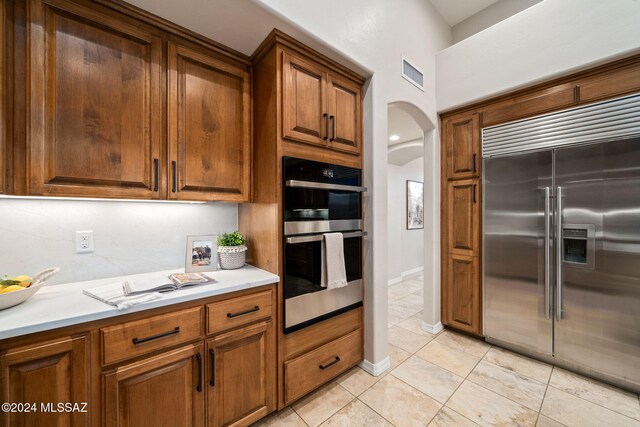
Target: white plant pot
(232,257)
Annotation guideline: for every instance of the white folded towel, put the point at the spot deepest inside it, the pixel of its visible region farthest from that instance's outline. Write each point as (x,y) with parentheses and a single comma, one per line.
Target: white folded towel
(333,272)
(113,294)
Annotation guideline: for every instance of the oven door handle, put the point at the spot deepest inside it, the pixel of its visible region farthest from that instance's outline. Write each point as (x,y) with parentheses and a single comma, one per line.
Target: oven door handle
(319,237)
(294,183)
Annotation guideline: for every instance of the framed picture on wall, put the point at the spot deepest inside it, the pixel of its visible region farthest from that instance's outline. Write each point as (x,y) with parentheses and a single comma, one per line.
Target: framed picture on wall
(202,254)
(415,205)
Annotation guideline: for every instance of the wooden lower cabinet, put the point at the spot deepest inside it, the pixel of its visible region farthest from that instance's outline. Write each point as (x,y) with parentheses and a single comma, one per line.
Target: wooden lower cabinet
(162,391)
(462,300)
(46,373)
(241,376)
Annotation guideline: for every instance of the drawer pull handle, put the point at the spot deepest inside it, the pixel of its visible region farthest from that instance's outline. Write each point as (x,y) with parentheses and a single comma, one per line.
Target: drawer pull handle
(254,309)
(336,360)
(199,359)
(212,356)
(155,337)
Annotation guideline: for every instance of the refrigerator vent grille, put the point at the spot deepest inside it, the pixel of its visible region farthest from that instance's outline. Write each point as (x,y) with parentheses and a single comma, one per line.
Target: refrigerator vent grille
(618,118)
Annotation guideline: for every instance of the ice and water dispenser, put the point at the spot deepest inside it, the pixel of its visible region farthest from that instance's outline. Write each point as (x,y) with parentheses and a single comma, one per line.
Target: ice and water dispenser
(578,244)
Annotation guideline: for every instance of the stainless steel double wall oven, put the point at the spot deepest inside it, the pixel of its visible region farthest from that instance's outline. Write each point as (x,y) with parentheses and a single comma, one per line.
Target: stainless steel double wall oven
(319,198)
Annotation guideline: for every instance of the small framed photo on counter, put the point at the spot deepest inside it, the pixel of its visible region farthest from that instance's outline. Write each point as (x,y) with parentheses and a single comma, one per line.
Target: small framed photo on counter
(202,254)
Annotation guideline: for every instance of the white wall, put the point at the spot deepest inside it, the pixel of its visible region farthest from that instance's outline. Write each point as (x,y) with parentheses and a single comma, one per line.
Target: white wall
(405,247)
(375,34)
(549,39)
(489,16)
(129,237)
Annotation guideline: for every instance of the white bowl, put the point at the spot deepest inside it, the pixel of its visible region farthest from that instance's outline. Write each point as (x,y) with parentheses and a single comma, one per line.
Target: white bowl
(16,297)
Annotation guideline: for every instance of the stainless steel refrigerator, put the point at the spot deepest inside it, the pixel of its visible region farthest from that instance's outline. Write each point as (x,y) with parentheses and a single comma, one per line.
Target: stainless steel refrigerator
(561,241)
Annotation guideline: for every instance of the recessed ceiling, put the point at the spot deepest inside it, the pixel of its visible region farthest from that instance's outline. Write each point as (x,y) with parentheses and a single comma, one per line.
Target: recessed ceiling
(456,11)
(403,125)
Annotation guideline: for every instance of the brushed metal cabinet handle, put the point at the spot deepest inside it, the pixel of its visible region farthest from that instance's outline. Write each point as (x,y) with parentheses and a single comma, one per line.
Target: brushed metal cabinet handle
(326,126)
(199,359)
(241,313)
(333,128)
(333,362)
(136,340)
(174,172)
(212,356)
(156,173)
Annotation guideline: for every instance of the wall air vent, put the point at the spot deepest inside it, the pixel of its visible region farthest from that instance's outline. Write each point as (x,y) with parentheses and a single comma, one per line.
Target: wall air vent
(412,74)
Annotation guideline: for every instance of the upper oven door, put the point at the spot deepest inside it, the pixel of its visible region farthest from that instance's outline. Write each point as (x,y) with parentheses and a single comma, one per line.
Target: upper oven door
(326,197)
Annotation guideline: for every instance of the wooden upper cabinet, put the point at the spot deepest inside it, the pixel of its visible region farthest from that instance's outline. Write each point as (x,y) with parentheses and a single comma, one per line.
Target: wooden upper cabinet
(463,221)
(462,294)
(209,113)
(462,139)
(532,104)
(45,373)
(304,111)
(241,376)
(618,82)
(3,102)
(345,120)
(162,391)
(95,100)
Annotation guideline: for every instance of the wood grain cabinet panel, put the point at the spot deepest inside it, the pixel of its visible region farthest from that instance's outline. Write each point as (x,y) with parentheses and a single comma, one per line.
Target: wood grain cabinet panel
(3,102)
(618,82)
(304,112)
(463,294)
(95,127)
(241,368)
(463,221)
(209,113)
(539,102)
(44,373)
(345,121)
(462,138)
(161,391)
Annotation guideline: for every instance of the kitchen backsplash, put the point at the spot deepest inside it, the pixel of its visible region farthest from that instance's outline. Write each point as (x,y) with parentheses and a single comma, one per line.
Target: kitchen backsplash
(129,237)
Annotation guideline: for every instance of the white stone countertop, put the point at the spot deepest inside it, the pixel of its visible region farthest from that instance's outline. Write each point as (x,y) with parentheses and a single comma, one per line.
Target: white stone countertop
(57,306)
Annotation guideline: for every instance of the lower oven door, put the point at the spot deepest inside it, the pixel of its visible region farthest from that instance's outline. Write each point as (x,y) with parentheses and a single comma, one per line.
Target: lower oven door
(305,301)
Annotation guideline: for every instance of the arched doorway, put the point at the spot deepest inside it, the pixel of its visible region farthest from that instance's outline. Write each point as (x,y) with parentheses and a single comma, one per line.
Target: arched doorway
(413,252)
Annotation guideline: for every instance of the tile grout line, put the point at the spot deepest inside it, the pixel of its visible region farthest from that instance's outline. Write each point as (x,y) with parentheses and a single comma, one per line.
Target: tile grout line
(463,381)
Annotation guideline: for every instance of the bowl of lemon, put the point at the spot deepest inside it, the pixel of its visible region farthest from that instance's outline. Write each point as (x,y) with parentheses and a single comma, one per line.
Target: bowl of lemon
(18,289)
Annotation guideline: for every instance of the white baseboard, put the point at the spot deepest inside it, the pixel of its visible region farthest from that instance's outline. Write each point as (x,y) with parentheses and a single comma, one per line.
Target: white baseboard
(394,281)
(376,369)
(432,329)
(412,271)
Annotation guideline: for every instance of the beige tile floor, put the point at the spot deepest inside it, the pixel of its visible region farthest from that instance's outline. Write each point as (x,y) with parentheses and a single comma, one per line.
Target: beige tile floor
(450,379)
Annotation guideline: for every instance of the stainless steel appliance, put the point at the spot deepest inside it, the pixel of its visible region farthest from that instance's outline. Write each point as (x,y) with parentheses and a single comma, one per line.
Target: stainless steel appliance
(319,198)
(562,238)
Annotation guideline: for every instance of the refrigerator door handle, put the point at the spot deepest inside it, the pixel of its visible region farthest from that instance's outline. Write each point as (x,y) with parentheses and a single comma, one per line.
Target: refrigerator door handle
(559,253)
(547,253)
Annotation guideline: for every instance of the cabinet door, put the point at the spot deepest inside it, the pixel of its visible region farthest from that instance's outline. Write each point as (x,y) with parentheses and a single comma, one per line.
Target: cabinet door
(95,110)
(241,380)
(162,391)
(45,373)
(209,127)
(462,146)
(304,113)
(345,115)
(463,221)
(462,294)
(3,102)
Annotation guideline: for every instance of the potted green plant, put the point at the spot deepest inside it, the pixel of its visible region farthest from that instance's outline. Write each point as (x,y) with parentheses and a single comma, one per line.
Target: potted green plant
(232,250)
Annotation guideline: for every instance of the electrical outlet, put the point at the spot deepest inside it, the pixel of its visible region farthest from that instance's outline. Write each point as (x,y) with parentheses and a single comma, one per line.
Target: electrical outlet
(84,241)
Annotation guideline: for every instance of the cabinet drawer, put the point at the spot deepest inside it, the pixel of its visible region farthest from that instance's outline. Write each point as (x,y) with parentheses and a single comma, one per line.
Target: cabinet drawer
(131,339)
(238,311)
(312,369)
